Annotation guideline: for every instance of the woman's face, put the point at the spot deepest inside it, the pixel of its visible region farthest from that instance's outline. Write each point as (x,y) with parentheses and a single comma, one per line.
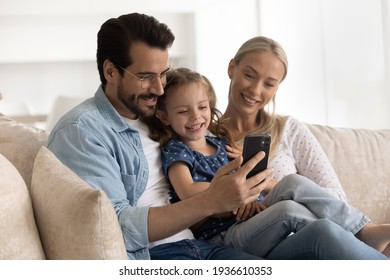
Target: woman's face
(254,81)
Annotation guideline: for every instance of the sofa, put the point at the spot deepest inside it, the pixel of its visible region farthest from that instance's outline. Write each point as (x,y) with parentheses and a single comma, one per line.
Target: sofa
(47,212)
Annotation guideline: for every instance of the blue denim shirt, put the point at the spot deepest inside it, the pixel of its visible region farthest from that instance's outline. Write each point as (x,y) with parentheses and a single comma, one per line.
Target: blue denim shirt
(94,142)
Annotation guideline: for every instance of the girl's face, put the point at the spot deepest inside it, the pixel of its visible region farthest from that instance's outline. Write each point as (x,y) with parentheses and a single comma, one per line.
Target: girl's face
(187,111)
(254,81)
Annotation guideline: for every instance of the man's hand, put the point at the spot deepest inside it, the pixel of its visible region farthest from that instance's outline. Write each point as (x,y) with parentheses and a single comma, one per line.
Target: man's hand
(230,189)
(227,191)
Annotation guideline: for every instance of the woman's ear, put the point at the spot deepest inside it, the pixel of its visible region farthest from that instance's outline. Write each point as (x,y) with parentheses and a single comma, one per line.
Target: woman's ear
(109,70)
(231,68)
(162,117)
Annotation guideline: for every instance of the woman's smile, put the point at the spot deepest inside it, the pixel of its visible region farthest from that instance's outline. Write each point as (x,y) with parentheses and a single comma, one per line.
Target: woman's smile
(250,101)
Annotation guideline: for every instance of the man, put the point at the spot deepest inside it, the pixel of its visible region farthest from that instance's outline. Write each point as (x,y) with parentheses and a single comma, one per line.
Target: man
(104,142)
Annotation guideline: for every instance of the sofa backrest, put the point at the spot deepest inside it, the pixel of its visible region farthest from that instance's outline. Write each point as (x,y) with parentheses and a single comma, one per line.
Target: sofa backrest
(360,158)
(20,144)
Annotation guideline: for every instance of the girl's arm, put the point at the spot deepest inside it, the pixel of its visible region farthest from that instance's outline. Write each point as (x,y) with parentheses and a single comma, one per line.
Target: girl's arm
(181,180)
(233,152)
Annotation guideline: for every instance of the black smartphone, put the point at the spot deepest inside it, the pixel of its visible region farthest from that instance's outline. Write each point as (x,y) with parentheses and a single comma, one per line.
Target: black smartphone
(252,145)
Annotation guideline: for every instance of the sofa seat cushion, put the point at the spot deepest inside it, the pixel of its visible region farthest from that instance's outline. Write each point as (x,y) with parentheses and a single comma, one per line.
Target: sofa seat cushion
(19,238)
(75,221)
(20,144)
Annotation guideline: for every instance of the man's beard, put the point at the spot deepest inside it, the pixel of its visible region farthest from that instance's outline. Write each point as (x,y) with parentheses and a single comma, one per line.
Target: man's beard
(130,102)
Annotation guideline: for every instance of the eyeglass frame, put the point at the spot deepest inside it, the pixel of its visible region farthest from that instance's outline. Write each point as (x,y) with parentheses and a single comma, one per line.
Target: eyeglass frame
(145,77)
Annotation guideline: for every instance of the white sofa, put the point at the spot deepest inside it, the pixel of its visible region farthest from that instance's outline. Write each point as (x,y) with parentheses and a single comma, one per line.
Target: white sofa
(47,212)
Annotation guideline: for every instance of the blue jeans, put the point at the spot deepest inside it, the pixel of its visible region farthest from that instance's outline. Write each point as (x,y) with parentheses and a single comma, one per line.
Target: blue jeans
(297,205)
(324,240)
(197,250)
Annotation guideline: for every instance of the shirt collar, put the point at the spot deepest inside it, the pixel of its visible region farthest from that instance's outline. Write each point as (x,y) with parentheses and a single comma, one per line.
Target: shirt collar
(109,113)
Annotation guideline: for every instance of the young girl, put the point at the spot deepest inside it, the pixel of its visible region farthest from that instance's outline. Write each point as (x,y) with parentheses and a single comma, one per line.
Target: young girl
(196,156)
(186,115)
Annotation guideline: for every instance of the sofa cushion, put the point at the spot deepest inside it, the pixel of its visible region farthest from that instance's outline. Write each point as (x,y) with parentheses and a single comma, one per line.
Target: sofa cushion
(19,238)
(75,221)
(360,159)
(20,143)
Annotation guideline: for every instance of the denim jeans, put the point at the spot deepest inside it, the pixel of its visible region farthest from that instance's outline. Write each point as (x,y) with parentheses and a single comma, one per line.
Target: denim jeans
(192,249)
(320,240)
(318,201)
(324,240)
(297,205)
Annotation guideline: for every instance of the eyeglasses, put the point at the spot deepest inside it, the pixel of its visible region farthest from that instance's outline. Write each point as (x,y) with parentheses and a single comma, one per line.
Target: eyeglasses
(147,80)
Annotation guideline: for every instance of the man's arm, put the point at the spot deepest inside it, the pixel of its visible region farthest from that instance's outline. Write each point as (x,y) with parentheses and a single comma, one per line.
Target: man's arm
(85,154)
(228,190)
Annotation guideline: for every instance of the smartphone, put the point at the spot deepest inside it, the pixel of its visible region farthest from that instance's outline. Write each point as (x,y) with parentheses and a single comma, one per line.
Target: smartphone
(252,145)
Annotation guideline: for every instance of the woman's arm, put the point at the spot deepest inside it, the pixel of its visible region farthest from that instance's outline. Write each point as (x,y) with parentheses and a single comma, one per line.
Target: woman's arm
(311,160)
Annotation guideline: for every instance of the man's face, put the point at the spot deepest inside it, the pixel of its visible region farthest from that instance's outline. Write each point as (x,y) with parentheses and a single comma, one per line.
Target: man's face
(135,94)
(139,104)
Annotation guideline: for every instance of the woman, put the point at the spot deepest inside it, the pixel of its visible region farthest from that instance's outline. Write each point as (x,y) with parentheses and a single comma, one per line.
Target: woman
(256,71)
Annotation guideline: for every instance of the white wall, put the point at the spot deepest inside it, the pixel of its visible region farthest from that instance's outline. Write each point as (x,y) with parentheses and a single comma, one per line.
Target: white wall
(48,47)
(220,30)
(338,71)
(337,60)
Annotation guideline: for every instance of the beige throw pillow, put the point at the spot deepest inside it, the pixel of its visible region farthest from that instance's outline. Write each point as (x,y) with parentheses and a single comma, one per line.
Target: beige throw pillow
(19,238)
(20,144)
(75,221)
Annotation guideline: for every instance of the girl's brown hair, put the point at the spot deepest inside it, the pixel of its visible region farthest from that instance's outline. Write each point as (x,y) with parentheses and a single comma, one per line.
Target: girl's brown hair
(182,76)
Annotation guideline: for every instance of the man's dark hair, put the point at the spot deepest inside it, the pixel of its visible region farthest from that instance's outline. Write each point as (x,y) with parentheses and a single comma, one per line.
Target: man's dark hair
(116,36)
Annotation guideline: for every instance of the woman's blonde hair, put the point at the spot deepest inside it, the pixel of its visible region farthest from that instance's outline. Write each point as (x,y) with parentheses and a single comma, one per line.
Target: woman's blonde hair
(268,122)
(183,76)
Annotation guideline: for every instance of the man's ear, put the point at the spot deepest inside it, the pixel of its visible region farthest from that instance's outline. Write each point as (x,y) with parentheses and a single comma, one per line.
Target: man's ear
(162,117)
(109,70)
